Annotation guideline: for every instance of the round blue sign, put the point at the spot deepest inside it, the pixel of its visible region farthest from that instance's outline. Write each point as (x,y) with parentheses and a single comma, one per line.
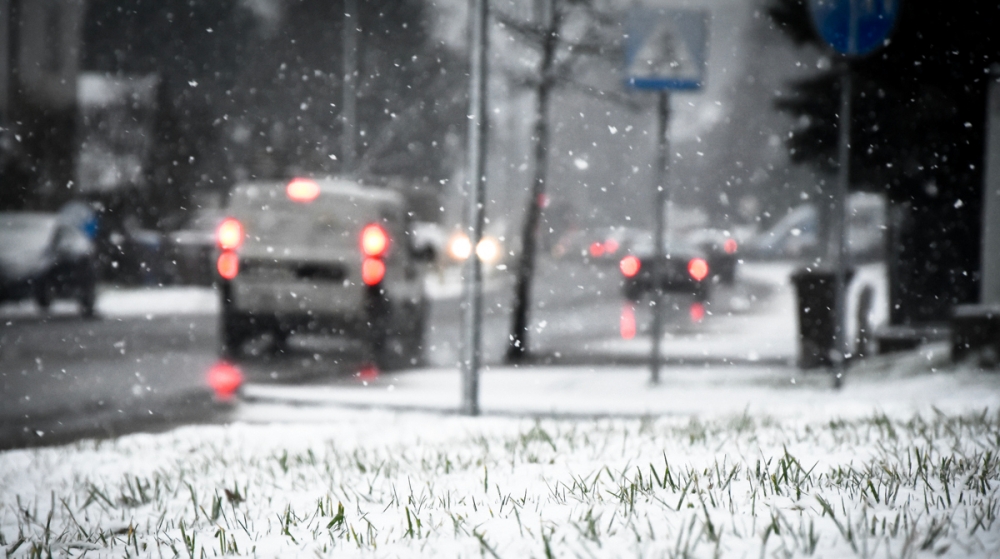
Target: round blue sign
(854,27)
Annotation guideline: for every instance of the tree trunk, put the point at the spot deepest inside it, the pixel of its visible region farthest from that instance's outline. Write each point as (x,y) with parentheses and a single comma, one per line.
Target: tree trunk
(517,349)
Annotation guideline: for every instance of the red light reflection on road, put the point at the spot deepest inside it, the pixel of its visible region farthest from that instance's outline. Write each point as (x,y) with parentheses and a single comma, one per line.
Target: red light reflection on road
(224,379)
(697,312)
(627,321)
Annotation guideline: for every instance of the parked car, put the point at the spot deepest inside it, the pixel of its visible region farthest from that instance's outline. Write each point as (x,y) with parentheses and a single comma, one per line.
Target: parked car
(796,235)
(43,258)
(327,256)
(683,269)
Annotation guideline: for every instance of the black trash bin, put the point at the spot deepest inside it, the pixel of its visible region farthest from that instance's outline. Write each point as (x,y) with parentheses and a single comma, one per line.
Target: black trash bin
(814,290)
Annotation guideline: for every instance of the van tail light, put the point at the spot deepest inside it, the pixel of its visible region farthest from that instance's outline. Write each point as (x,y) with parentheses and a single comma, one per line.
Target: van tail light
(229,234)
(372,271)
(228,265)
(698,268)
(630,266)
(374,241)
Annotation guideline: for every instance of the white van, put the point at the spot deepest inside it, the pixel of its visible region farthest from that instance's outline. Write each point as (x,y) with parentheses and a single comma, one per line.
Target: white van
(326,256)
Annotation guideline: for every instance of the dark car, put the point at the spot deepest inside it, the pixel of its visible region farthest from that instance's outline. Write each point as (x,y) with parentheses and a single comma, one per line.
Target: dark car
(683,269)
(720,248)
(44,258)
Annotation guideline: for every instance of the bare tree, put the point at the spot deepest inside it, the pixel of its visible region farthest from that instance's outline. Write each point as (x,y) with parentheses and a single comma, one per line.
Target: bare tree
(566,35)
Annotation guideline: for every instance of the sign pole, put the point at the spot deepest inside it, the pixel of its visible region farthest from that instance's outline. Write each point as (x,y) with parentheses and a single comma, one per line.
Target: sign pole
(475,196)
(840,252)
(662,198)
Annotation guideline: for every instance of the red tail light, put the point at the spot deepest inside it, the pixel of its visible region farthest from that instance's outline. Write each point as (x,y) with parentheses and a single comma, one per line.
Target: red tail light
(611,246)
(374,241)
(224,379)
(730,246)
(302,190)
(596,249)
(630,266)
(229,235)
(372,271)
(228,265)
(698,268)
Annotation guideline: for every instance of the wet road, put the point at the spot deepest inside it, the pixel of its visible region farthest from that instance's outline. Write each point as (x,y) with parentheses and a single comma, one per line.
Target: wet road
(63,377)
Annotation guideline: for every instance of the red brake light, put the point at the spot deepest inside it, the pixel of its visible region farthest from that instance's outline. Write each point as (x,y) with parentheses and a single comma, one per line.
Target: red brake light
(374,241)
(302,190)
(372,271)
(730,246)
(611,246)
(229,235)
(698,268)
(630,265)
(596,249)
(228,265)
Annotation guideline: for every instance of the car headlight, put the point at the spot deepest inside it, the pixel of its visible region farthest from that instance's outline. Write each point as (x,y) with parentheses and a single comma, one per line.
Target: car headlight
(488,250)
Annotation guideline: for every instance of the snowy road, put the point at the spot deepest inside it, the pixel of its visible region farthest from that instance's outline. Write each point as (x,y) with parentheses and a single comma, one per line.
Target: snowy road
(144,363)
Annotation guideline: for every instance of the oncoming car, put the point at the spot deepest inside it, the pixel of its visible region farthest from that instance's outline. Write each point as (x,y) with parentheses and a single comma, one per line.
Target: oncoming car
(325,256)
(683,270)
(721,250)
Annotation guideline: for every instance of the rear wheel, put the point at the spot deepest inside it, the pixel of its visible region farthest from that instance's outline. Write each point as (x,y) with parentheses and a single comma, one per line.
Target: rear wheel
(43,294)
(88,293)
(413,339)
(235,327)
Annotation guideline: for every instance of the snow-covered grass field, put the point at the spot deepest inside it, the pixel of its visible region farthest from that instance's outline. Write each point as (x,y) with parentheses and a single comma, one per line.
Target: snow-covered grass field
(391,484)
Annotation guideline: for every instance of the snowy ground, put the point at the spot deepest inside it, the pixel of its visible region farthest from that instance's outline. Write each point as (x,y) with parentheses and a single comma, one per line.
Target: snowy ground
(732,460)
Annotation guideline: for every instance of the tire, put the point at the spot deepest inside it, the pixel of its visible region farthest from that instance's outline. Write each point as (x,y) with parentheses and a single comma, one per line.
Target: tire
(702,294)
(235,328)
(43,295)
(413,342)
(632,292)
(88,299)
(88,294)
(234,331)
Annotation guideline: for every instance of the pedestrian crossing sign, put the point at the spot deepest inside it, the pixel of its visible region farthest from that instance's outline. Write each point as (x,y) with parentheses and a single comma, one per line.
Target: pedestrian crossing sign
(665,48)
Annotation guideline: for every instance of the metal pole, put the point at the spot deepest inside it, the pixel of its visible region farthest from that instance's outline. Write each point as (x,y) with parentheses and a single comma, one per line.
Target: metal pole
(659,248)
(989,283)
(352,25)
(475,197)
(841,256)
